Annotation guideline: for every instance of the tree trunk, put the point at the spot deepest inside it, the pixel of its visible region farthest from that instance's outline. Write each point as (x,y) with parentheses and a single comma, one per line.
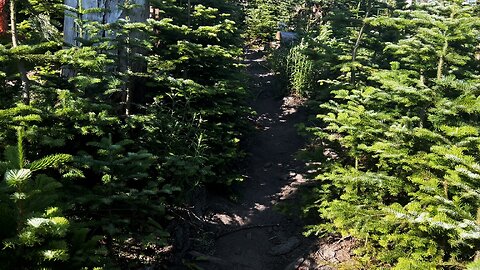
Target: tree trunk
(3,17)
(20,64)
(111,13)
(441,60)
(189,11)
(354,51)
(353,74)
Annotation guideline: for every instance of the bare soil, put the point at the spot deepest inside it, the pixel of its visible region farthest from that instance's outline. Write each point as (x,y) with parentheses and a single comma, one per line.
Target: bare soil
(254,232)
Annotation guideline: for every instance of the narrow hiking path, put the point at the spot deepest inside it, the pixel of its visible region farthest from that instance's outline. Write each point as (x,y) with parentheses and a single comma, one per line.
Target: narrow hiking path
(252,233)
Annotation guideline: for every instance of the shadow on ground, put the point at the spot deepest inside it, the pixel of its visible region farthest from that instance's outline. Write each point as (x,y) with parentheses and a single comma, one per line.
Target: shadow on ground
(252,233)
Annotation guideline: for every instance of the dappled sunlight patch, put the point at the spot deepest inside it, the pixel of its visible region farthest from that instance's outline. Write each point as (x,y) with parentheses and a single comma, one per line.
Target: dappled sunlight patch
(291,104)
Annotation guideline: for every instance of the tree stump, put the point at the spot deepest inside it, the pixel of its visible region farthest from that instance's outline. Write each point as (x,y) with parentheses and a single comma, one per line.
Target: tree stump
(286,38)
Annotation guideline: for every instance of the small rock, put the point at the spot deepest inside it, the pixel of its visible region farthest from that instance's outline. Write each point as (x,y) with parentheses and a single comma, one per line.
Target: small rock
(286,247)
(268,165)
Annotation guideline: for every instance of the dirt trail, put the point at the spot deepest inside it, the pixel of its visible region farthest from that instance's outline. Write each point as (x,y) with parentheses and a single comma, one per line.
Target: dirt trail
(252,233)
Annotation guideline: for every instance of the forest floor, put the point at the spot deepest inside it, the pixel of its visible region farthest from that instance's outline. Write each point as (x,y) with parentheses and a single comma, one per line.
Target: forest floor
(259,230)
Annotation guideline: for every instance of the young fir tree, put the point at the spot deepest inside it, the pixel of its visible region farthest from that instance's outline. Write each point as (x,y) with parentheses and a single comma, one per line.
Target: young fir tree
(189,118)
(196,65)
(340,47)
(404,182)
(33,227)
(265,17)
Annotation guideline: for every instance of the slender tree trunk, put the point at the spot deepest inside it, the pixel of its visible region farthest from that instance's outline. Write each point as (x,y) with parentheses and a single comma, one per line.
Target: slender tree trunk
(126,64)
(354,53)
(441,60)
(138,84)
(133,86)
(189,23)
(443,53)
(189,10)
(20,64)
(357,45)
(3,17)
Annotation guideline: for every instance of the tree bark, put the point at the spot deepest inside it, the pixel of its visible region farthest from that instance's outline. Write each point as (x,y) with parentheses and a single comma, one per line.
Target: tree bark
(111,13)
(441,59)
(3,17)
(189,11)
(20,64)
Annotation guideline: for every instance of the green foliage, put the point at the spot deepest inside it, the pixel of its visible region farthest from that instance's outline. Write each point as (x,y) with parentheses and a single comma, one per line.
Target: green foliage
(405,137)
(265,17)
(261,21)
(121,205)
(150,111)
(299,68)
(197,111)
(339,46)
(33,227)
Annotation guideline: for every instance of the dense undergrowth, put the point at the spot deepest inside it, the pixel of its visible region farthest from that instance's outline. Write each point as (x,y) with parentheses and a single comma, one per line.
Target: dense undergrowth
(104,138)
(396,91)
(143,114)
